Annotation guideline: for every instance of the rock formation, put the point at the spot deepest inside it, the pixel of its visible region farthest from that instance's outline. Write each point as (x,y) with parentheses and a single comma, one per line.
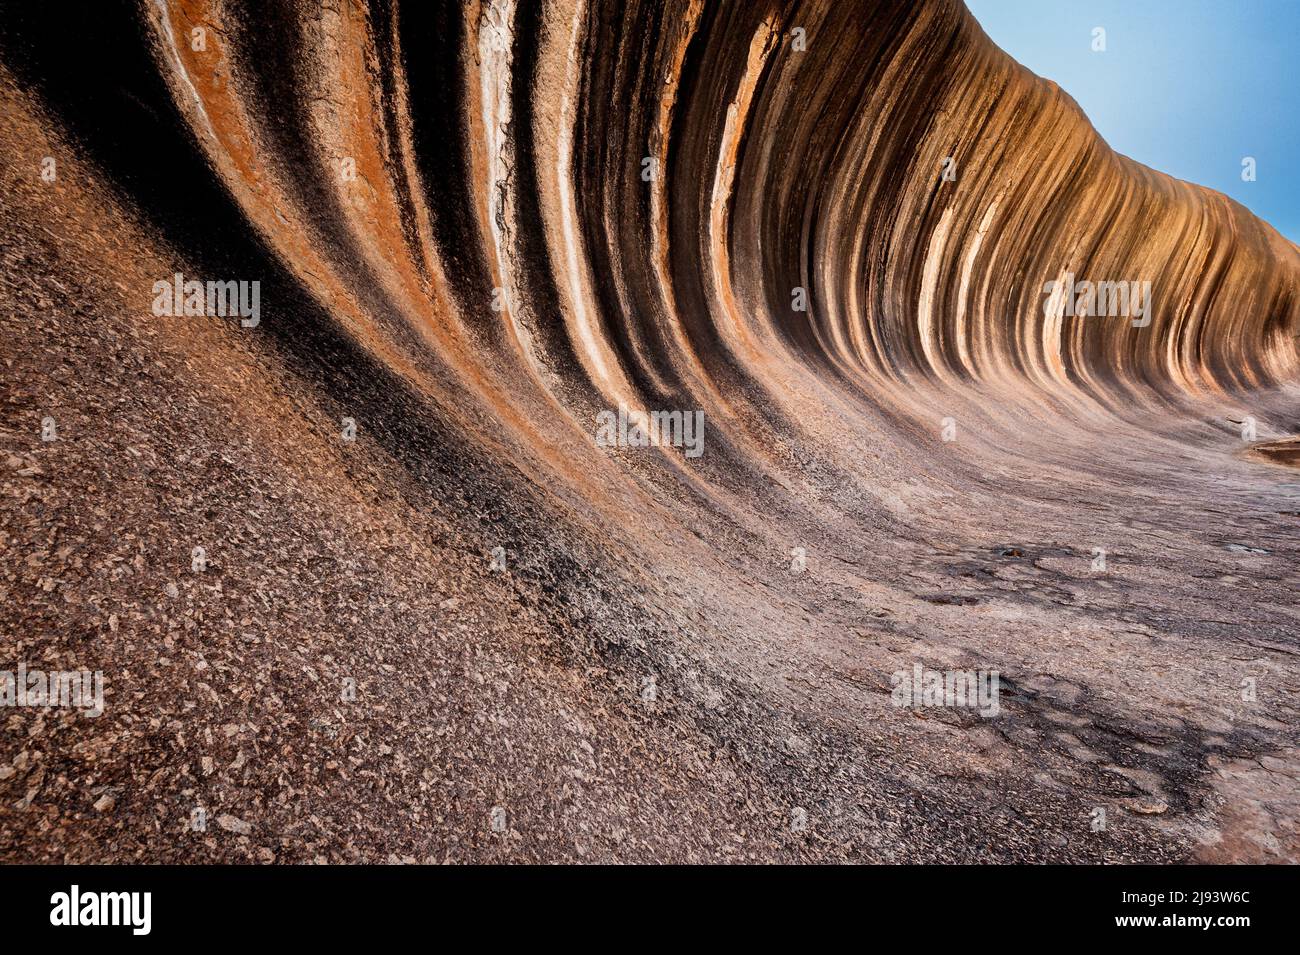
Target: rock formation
(437,613)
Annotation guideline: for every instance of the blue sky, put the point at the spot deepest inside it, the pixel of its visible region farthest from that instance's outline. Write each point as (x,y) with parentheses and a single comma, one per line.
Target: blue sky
(1188,87)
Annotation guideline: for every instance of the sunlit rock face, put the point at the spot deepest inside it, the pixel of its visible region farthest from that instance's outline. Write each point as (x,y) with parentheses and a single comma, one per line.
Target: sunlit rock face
(640,398)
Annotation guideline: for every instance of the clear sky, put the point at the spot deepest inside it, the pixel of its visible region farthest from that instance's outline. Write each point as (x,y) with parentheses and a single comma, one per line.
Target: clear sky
(1188,87)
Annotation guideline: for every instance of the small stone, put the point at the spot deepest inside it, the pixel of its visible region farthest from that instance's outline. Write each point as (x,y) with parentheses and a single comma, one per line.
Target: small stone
(1147,807)
(1244,549)
(104,803)
(234,824)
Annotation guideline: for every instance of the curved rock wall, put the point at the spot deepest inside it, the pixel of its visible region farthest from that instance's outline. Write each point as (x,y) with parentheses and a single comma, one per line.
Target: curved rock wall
(491,235)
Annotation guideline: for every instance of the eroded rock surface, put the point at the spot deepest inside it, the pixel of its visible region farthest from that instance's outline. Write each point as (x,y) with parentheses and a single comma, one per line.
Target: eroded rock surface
(472,633)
